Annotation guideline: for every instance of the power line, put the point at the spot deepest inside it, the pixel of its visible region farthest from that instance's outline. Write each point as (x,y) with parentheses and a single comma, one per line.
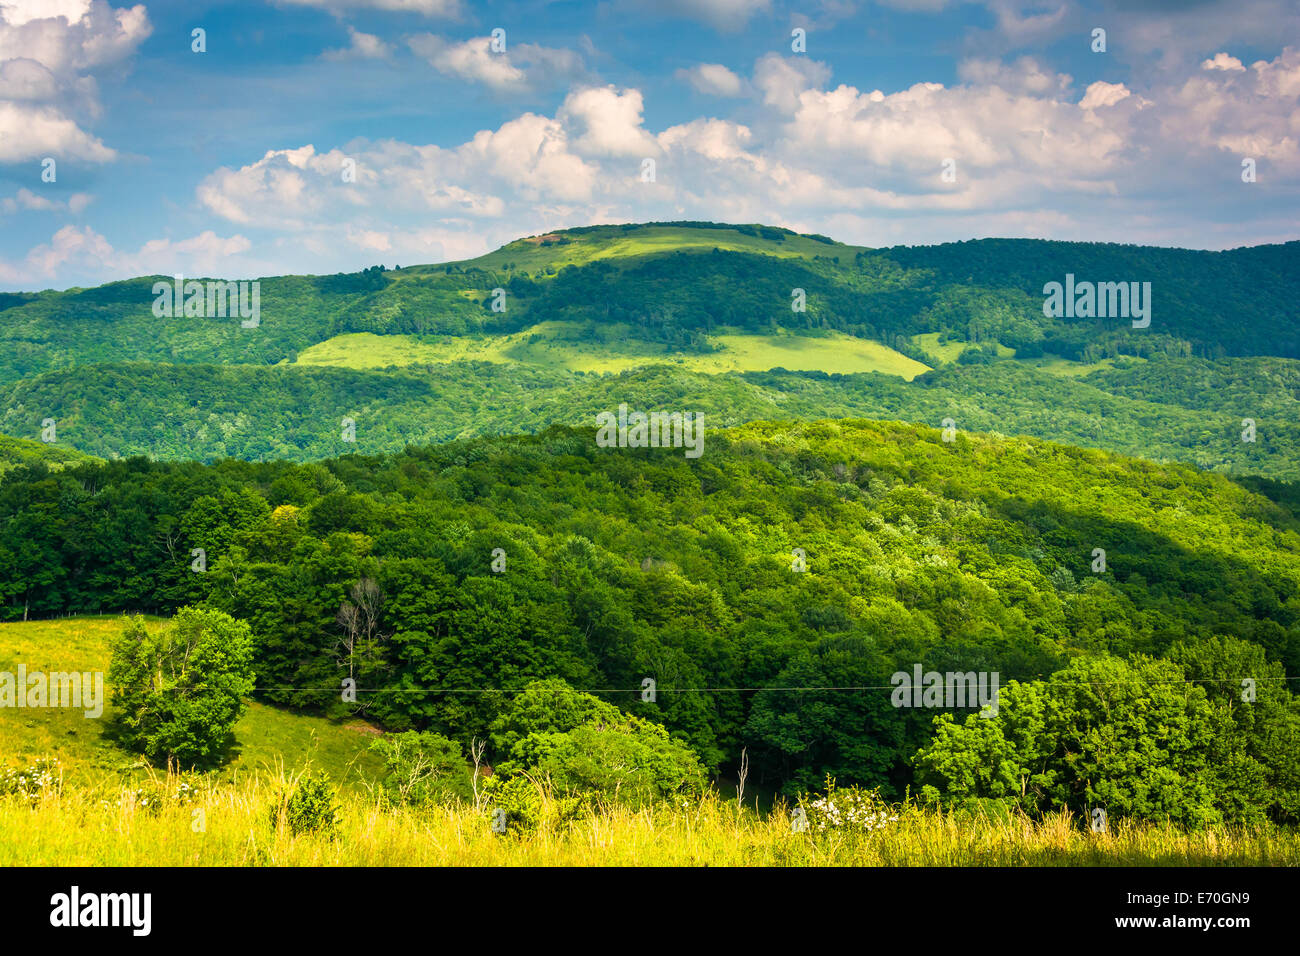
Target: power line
(704,690)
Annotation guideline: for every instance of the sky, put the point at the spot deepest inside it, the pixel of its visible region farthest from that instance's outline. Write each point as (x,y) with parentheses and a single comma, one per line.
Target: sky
(322,136)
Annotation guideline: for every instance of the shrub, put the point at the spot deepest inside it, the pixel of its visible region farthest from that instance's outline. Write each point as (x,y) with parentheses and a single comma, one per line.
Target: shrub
(848,809)
(524,807)
(580,744)
(311,806)
(421,768)
(33,781)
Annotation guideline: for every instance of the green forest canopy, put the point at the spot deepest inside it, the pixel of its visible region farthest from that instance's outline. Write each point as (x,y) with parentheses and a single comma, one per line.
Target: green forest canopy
(977,554)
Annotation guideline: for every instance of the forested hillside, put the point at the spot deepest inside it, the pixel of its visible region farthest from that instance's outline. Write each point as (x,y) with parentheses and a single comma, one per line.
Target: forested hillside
(770,588)
(17,451)
(296,412)
(701,315)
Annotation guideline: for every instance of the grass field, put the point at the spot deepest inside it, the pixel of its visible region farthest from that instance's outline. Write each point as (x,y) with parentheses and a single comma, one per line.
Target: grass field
(104,808)
(75,828)
(264,736)
(560,345)
(949,351)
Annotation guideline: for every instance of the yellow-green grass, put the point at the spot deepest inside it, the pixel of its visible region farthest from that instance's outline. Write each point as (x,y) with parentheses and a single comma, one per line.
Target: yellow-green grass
(830,353)
(530,255)
(80,828)
(263,736)
(560,345)
(949,351)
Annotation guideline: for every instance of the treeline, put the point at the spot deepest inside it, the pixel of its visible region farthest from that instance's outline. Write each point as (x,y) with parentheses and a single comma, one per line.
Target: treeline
(446,579)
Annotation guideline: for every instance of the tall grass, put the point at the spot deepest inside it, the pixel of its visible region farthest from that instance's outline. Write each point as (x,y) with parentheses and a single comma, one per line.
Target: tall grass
(234,825)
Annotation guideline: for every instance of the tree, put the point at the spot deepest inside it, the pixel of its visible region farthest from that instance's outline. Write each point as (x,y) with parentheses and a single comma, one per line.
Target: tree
(1127,736)
(359,619)
(178,690)
(580,744)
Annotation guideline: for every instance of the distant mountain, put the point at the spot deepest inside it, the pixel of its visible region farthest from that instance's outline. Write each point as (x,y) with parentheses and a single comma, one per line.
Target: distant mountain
(750,322)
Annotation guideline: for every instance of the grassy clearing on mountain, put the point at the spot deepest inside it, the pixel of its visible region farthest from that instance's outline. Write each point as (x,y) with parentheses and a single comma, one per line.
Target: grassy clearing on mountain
(567,345)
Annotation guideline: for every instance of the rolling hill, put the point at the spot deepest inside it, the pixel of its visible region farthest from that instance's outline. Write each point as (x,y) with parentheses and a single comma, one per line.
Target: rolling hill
(691,315)
(770,587)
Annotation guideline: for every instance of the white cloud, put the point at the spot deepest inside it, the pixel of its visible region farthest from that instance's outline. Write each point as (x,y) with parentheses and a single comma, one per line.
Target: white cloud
(782,80)
(83,251)
(1115,161)
(1020,139)
(1222,61)
(1102,94)
(609,122)
(360,46)
(1026,20)
(18,12)
(1025,75)
(470,60)
(28,132)
(25,199)
(519,67)
(100,36)
(713,79)
(48,50)
(1250,113)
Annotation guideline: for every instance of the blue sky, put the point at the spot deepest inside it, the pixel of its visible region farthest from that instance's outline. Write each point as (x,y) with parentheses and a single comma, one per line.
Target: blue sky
(231,161)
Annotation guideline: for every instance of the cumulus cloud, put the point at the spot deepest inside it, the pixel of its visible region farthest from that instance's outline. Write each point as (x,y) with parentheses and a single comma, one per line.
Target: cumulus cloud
(1019,137)
(1222,61)
(32,132)
(608,122)
(49,50)
(1102,94)
(782,80)
(86,252)
(1250,113)
(1033,156)
(1025,75)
